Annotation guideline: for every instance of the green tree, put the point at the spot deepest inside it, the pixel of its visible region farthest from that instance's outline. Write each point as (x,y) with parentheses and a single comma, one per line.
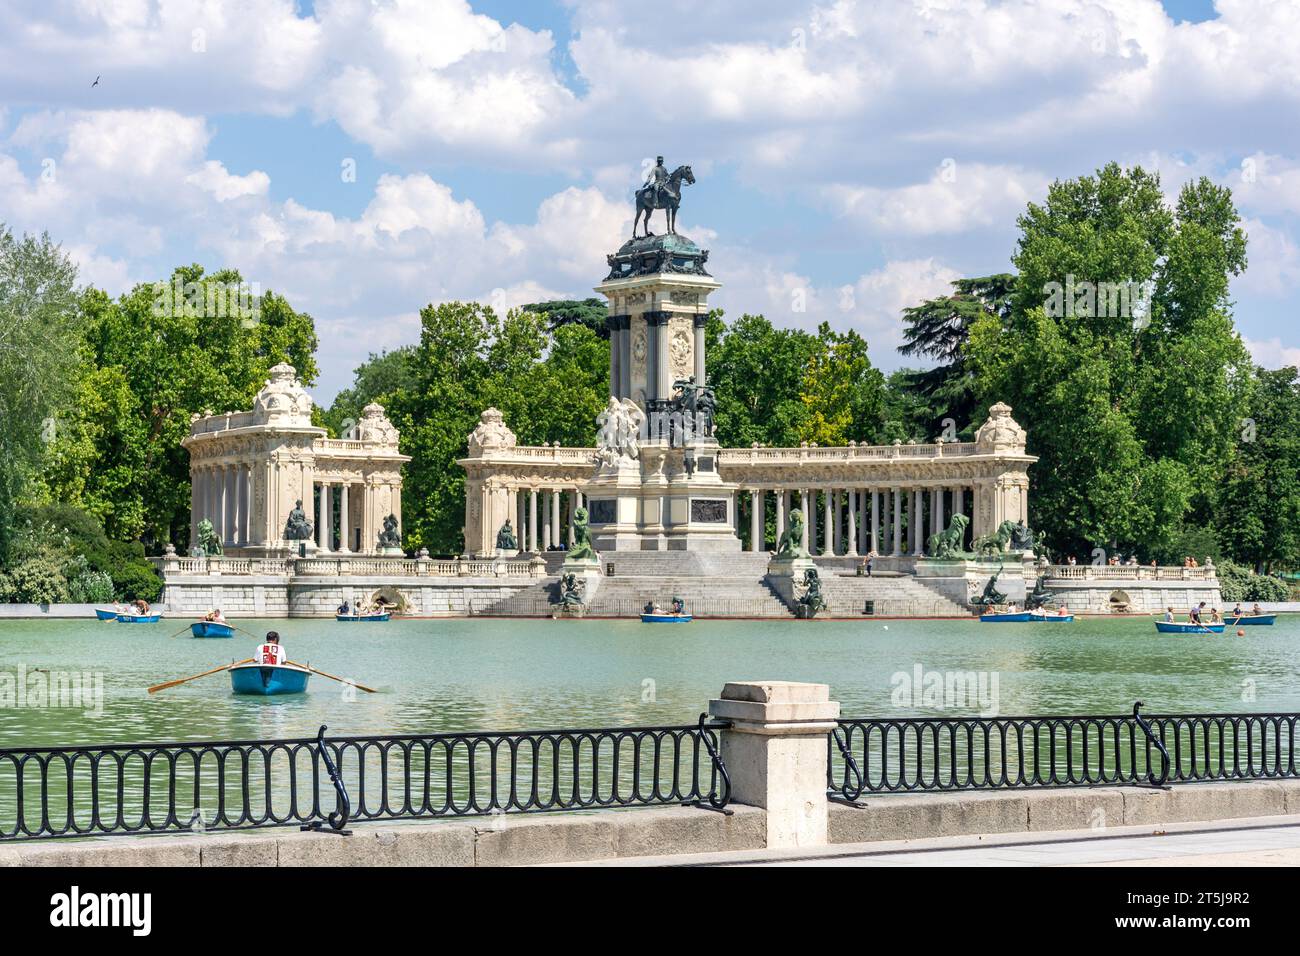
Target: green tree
(590,312)
(938,329)
(148,362)
(1119,356)
(40,329)
(549,382)
(841,393)
(1258,502)
(373,381)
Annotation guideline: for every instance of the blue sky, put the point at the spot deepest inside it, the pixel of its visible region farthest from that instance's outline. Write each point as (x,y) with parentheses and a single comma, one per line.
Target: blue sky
(852,156)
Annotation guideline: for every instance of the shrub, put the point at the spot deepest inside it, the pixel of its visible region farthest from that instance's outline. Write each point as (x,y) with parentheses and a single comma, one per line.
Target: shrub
(135,580)
(90,587)
(1239,583)
(38,581)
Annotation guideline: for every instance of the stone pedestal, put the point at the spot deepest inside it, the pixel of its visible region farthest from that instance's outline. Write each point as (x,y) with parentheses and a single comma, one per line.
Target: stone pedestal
(586,571)
(776,753)
(784,573)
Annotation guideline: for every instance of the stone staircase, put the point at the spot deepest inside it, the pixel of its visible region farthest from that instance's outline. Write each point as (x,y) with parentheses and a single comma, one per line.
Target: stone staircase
(891,594)
(726,585)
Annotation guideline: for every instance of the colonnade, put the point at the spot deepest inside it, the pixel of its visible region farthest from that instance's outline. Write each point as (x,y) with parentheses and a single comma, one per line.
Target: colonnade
(543,517)
(223,494)
(854,521)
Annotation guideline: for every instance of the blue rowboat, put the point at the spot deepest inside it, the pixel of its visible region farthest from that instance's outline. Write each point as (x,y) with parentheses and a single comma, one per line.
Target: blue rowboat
(101,614)
(262,681)
(139,618)
(1019,617)
(1254,619)
(667,618)
(361,617)
(1052,618)
(1187,627)
(211,629)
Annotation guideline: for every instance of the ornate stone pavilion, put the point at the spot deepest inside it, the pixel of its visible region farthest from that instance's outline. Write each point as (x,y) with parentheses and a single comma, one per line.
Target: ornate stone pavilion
(658,480)
(249,470)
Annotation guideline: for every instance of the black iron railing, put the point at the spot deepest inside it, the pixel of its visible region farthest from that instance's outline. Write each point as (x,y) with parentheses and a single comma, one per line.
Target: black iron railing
(326,782)
(906,754)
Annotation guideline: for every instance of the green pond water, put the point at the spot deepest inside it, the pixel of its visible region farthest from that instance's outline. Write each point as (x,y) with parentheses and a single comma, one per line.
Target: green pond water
(444,675)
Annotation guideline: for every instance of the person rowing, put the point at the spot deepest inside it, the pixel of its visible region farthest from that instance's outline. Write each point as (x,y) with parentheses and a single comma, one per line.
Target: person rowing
(215,616)
(272,653)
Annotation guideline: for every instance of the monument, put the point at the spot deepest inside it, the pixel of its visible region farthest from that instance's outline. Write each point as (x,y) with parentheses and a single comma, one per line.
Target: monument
(657,484)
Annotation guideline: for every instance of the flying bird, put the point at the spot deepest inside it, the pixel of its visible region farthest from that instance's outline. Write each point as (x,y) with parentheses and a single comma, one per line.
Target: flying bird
(95,84)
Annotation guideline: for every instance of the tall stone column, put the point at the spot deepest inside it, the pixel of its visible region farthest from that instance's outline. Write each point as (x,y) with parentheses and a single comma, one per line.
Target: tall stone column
(936,505)
(918,520)
(809,518)
(896,526)
(663,377)
(755,521)
(782,509)
(345,545)
(852,547)
(556,524)
(322,523)
(776,752)
(195,505)
(532,520)
(875,521)
(698,351)
(828,506)
(959,508)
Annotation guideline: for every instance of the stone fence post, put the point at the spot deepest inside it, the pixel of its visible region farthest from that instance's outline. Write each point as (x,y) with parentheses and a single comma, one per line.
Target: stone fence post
(776,752)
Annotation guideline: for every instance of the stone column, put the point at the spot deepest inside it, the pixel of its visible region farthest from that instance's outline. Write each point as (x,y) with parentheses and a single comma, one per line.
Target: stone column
(918,520)
(895,525)
(809,518)
(852,547)
(776,752)
(345,532)
(322,523)
(936,503)
(875,521)
(755,521)
(556,524)
(959,507)
(782,509)
(195,505)
(663,377)
(532,520)
(700,321)
(828,506)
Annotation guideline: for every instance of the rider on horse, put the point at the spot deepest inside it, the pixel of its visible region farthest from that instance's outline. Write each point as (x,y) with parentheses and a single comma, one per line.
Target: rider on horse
(657,179)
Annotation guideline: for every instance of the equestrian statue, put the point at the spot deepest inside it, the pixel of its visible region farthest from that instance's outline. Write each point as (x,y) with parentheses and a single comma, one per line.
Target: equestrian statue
(663,190)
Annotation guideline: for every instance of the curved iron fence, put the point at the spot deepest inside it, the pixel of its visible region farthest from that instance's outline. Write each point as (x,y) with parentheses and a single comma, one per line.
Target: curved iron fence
(908,754)
(330,781)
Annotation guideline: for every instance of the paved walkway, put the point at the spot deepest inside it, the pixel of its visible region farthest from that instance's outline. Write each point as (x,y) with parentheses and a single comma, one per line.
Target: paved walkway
(1259,841)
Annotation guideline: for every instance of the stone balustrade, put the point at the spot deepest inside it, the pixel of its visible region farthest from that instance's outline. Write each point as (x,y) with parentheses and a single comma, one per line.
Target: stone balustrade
(1127,572)
(343,566)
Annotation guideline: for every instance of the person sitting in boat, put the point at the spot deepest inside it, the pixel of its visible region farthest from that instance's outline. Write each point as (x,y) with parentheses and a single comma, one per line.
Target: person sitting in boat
(1214,616)
(649,607)
(1237,611)
(271,654)
(1256,611)
(215,616)
(1169,615)
(345,608)
(678,605)
(142,607)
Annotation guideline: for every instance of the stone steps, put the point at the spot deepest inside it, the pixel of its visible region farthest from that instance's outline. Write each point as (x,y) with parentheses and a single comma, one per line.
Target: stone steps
(893,596)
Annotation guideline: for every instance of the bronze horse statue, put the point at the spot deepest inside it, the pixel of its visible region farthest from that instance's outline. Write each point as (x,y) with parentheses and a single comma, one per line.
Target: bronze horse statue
(648,199)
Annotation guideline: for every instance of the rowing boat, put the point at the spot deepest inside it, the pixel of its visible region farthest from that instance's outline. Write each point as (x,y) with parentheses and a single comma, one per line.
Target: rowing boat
(211,629)
(1188,627)
(262,681)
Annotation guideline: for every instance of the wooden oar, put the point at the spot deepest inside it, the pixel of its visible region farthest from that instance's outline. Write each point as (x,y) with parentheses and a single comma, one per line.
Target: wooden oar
(172,683)
(178,633)
(242,631)
(341,680)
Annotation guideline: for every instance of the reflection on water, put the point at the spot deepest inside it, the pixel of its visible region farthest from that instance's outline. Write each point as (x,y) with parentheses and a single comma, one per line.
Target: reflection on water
(506,674)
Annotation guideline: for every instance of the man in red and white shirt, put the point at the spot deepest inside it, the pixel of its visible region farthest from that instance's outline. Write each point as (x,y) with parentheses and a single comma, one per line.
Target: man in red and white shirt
(270,654)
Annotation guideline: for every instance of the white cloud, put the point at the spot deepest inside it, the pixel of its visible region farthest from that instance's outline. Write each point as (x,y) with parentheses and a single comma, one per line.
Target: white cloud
(1271,353)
